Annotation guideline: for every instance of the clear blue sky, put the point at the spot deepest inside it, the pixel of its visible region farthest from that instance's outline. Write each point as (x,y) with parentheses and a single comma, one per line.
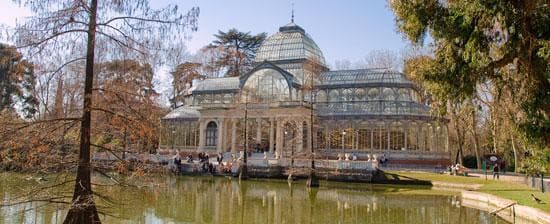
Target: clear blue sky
(343,29)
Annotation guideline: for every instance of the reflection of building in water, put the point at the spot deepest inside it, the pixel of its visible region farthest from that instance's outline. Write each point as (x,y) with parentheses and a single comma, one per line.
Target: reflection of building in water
(221,200)
(226,201)
(363,110)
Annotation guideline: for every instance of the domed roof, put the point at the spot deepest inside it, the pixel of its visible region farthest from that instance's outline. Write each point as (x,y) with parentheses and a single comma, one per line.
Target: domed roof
(291,42)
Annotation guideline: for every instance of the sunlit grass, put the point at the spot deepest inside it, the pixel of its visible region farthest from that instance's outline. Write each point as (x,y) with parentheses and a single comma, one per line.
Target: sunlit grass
(517,192)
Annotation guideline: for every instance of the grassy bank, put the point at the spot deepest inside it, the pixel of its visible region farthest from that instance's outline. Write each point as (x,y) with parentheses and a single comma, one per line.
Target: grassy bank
(508,190)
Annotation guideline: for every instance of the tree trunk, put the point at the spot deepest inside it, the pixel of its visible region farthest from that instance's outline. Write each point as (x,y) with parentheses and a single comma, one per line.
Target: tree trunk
(474,133)
(515,153)
(459,136)
(58,103)
(494,133)
(83,209)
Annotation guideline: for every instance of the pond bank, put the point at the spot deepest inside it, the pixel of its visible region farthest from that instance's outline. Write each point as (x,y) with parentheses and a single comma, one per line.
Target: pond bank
(514,212)
(488,195)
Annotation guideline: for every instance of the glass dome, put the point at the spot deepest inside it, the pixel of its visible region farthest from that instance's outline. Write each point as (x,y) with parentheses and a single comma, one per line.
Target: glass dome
(266,85)
(291,42)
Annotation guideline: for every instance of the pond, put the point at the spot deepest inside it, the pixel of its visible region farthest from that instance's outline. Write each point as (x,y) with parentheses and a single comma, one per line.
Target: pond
(227,200)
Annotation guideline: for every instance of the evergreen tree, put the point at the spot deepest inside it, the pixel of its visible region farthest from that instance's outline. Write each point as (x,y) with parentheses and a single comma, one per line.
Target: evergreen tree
(17,81)
(239,50)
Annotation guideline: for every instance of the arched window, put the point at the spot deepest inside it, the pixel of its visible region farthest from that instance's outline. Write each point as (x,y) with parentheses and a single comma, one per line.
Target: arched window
(404,95)
(321,96)
(207,98)
(227,98)
(334,96)
(216,98)
(266,85)
(360,94)
(388,94)
(198,99)
(373,94)
(347,95)
(211,133)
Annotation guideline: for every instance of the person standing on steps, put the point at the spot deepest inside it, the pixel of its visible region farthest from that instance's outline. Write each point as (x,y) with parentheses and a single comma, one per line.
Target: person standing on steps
(177,162)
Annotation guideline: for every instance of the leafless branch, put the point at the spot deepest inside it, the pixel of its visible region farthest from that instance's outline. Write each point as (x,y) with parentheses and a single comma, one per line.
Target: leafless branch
(121,43)
(52,37)
(140,19)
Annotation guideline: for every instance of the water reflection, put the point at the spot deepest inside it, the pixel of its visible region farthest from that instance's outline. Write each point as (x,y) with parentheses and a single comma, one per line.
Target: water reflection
(224,200)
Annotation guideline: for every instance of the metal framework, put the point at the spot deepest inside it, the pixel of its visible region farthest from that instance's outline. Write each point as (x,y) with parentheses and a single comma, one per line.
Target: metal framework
(362,110)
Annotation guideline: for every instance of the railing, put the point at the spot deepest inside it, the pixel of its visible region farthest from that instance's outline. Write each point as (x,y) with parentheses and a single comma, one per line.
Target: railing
(257,105)
(319,163)
(505,207)
(378,107)
(347,164)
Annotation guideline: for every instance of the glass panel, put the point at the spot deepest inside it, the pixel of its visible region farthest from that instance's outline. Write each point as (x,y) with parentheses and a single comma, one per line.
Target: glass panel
(266,85)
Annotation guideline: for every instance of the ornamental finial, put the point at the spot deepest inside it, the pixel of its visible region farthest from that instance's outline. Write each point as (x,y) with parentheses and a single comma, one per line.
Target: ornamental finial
(292,17)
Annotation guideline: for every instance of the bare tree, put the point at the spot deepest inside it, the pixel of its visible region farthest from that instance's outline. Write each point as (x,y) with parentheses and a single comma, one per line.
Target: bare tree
(97,26)
(207,57)
(182,79)
(382,59)
(344,64)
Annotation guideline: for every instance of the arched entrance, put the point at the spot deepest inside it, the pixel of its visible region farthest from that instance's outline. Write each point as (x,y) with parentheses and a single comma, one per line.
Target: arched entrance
(211,134)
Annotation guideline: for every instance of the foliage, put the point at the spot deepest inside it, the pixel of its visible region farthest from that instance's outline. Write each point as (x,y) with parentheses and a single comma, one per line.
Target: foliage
(17,81)
(469,161)
(36,145)
(536,163)
(239,50)
(503,43)
(127,113)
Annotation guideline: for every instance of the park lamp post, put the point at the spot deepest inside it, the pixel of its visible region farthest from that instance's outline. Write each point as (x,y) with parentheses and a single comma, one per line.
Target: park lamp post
(173,139)
(291,151)
(343,139)
(312,181)
(243,175)
(290,177)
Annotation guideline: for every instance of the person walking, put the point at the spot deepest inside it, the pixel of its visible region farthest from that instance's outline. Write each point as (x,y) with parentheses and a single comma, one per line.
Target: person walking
(496,170)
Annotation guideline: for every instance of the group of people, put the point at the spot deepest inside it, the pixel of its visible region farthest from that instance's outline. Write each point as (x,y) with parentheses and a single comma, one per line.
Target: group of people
(458,170)
(260,148)
(203,160)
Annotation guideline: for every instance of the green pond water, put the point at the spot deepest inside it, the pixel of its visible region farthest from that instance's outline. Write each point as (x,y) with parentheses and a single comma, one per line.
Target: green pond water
(226,200)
